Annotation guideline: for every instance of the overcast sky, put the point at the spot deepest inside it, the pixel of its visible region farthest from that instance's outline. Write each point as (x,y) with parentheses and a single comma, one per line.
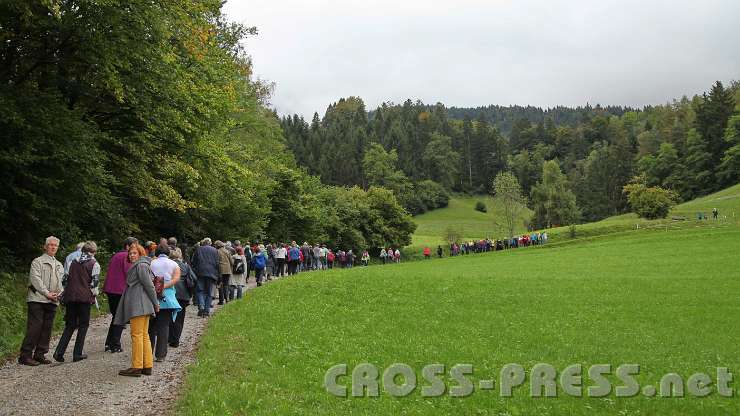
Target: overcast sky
(469,53)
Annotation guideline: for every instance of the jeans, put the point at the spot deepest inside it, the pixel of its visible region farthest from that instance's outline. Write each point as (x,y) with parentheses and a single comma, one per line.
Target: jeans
(159,332)
(258,276)
(141,348)
(236,292)
(280,267)
(76,317)
(204,294)
(113,340)
(38,329)
(177,325)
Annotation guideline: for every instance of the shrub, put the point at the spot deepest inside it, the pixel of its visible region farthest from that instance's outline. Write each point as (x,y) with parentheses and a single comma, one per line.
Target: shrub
(480,206)
(650,202)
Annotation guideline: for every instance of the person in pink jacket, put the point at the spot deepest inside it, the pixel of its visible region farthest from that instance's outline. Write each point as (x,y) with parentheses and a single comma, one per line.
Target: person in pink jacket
(115,284)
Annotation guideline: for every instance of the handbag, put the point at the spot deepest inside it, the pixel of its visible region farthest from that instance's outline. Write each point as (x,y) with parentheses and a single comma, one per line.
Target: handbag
(158,282)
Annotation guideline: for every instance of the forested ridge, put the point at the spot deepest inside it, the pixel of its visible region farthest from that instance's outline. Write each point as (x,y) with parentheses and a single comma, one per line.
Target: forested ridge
(143,118)
(422,152)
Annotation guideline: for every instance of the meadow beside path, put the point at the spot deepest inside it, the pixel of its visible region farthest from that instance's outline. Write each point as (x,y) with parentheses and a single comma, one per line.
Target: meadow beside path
(93,386)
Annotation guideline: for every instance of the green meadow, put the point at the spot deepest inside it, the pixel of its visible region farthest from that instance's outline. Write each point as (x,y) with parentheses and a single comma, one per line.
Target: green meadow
(461,216)
(663,297)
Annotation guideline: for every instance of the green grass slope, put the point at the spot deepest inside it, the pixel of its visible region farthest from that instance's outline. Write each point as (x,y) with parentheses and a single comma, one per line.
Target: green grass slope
(461,215)
(681,216)
(664,300)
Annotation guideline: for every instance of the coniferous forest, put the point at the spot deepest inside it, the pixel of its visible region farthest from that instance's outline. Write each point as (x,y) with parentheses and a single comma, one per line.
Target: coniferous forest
(422,152)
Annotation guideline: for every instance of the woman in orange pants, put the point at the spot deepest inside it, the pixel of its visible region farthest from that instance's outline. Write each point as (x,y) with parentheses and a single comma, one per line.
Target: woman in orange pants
(136,306)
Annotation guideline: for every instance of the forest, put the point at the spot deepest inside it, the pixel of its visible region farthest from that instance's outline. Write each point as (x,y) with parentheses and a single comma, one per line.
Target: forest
(583,156)
(145,120)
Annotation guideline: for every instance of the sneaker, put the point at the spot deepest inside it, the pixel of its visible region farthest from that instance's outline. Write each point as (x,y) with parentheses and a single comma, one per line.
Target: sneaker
(116,349)
(58,358)
(131,372)
(158,360)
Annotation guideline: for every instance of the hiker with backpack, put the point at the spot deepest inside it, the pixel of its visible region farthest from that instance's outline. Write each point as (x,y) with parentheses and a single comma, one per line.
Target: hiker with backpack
(184,291)
(294,258)
(225,263)
(159,327)
(80,288)
(238,274)
(259,262)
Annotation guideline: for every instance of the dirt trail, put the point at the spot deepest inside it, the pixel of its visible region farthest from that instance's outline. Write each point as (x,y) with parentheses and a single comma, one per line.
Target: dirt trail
(93,386)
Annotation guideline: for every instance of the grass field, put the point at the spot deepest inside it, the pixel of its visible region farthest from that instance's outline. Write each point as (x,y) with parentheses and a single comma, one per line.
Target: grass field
(461,216)
(665,300)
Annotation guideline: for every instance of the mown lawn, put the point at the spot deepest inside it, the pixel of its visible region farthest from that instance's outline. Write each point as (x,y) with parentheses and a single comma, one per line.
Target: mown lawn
(665,300)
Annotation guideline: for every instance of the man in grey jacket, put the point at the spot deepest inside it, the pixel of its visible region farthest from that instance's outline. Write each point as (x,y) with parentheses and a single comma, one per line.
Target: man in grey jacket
(205,264)
(44,286)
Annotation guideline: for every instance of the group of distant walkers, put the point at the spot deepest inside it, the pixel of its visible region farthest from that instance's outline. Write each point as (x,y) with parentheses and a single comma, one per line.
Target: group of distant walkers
(702,216)
(487,244)
(149,287)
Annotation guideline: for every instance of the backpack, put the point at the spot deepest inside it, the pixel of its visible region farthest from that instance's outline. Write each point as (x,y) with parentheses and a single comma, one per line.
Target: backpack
(238,267)
(259,261)
(330,256)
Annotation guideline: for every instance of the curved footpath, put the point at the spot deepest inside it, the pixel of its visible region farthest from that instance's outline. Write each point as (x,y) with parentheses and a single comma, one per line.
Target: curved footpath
(93,386)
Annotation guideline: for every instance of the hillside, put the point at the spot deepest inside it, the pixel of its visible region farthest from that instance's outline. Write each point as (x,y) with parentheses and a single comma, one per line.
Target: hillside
(461,215)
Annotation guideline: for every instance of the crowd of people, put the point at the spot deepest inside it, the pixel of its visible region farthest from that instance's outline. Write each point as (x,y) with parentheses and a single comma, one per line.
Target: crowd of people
(149,287)
(487,244)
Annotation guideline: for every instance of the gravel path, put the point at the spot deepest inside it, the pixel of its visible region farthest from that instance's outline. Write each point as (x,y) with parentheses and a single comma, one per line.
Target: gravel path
(93,386)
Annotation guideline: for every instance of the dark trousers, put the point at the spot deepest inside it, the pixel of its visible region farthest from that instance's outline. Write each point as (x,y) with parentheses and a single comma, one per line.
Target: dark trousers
(224,292)
(38,329)
(113,340)
(76,317)
(280,267)
(177,325)
(258,276)
(204,294)
(292,267)
(159,332)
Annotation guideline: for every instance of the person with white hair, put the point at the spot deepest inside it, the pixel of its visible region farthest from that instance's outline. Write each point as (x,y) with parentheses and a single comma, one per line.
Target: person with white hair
(44,286)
